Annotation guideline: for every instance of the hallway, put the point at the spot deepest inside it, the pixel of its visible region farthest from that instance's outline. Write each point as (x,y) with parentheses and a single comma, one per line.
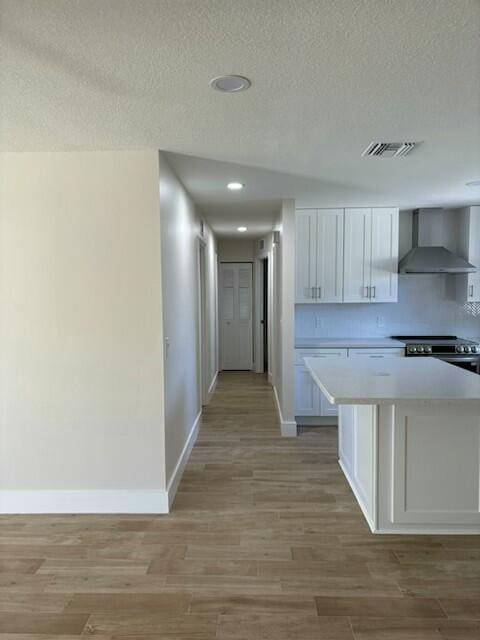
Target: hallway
(265,541)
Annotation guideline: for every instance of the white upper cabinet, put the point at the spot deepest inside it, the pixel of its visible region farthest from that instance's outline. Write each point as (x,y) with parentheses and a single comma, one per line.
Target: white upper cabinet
(347,255)
(468,285)
(319,255)
(371,255)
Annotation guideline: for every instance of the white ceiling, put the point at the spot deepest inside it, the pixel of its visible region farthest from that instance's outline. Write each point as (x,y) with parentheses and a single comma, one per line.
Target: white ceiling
(327,79)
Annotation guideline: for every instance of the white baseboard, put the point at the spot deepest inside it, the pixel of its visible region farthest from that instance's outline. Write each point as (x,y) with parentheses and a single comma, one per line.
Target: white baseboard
(182,461)
(288,428)
(316,421)
(83,501)
(212,387)
(99,501)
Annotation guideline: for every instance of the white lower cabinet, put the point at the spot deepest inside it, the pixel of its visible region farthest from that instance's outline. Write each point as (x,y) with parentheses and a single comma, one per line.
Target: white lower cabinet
(309,400)
(307,394)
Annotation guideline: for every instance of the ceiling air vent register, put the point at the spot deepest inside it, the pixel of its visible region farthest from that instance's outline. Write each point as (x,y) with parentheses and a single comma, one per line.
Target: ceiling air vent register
(389,149)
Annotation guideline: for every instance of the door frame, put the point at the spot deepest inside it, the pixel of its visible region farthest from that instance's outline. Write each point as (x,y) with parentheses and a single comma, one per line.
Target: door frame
(259,314)
(202,322)
(220,312)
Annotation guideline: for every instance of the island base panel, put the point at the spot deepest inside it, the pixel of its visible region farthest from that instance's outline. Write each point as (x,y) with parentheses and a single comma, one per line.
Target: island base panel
(413,467)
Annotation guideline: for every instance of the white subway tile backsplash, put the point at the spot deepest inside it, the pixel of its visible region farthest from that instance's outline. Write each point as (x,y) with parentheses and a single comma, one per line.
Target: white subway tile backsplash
(425,304)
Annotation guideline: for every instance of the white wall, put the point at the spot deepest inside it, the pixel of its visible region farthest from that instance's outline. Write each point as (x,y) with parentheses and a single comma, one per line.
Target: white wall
(283,317)
(236,250)
(180,227)
(81,322)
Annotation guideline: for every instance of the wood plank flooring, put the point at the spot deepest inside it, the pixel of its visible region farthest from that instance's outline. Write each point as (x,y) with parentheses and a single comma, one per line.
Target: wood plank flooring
(265,542)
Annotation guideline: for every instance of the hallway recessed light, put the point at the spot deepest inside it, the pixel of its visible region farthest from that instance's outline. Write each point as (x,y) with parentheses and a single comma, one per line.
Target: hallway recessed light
(235,186)
(230,84)
(242,229)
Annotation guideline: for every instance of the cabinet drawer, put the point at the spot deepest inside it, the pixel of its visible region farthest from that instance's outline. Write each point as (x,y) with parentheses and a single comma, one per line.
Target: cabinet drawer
(300,354)
(376,353)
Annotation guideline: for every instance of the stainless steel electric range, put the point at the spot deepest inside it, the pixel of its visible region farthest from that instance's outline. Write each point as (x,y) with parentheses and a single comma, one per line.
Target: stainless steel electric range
(457,351)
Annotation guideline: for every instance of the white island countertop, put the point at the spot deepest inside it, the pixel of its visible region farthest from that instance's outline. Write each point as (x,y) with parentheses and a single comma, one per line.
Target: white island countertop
(347,343)
(394,380)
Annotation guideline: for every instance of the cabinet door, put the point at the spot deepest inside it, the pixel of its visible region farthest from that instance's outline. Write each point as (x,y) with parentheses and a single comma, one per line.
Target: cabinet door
(305,255)
(307,394)
(384,260)
(329,255)
(474,237)
(473,287)
(473,279)
(326,407)
(357,253)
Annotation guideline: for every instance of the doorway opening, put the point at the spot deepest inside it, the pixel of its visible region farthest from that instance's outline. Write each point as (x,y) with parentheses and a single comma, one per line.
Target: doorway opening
(262,315)
(265,319)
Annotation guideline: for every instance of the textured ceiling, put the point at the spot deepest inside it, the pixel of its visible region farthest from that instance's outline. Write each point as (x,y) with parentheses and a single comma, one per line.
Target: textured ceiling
(328,77)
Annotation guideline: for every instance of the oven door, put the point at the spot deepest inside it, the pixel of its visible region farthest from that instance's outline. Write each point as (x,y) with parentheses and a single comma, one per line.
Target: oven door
(469,363)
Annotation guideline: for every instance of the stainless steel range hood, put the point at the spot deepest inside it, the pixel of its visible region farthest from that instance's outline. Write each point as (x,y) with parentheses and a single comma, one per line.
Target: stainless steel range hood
(431,230)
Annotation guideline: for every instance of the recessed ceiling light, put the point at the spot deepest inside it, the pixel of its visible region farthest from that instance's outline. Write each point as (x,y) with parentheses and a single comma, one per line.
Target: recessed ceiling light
(475,184)
(242,229)
(235,186)
(230,84)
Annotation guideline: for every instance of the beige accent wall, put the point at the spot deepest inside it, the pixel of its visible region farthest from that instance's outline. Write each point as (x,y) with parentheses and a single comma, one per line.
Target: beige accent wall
(236,250)
(81,322)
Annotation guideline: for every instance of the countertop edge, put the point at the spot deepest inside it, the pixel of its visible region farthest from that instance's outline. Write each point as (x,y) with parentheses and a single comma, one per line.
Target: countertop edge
(465,402)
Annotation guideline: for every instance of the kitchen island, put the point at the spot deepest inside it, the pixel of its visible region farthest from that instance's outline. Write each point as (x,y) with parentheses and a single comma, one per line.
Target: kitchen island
(409,441)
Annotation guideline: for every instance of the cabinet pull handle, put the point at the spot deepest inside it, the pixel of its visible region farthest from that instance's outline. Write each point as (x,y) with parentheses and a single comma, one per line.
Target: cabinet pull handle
(313,292)
(319,292)
(374,291)
(366,292)
(471,290)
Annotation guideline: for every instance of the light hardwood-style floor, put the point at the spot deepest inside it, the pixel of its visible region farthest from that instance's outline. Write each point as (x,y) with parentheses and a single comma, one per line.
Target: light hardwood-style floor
(265,541)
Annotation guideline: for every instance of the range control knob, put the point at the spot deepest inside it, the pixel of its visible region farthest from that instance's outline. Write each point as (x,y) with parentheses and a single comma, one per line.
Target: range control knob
(428,349)
(420,349)
(474,349)
(466,349)
(459,349)
(412,349)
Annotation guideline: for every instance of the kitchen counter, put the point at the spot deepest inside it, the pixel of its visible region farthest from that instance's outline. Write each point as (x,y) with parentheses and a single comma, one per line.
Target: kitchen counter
(394,380)
(408,441)
(347,343)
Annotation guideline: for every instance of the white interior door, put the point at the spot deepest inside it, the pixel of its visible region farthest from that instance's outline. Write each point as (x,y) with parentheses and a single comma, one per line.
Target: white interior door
(236,315)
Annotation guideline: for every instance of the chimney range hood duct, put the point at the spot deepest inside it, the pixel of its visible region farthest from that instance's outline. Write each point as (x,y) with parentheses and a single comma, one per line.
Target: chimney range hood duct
(428,255)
